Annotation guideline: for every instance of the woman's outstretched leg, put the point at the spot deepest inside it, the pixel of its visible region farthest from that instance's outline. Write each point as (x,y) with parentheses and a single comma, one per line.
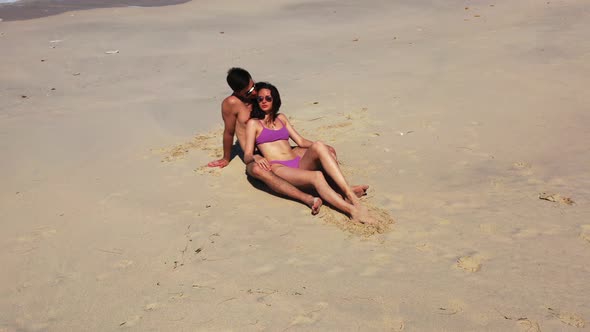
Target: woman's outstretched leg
(319,155)
(305,178)
(283,187)
(358,190)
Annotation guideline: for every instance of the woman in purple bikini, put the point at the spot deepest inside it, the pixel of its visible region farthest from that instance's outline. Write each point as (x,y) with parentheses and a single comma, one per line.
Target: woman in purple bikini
(270,132)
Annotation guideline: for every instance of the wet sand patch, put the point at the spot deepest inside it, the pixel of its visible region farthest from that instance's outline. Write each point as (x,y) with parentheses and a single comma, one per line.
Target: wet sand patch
(31,9)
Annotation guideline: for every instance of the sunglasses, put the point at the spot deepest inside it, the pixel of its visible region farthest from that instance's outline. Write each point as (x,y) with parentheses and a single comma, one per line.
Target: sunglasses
(249,92)
(267,98)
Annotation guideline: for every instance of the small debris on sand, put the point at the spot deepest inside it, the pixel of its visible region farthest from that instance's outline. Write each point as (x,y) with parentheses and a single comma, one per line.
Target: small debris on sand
(556,198)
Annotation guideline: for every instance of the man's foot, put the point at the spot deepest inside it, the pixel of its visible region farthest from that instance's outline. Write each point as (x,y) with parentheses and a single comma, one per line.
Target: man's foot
(315,205)
(359,190)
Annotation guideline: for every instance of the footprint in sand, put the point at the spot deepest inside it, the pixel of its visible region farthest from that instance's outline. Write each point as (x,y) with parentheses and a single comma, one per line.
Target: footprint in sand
(556,198)
(8,329)
(29,326)
(131,321)
(469,263)
(335,270)
(497,182)
(297,261)
(110,196)
(381,259)
(522,321)
(123,264)
(412,155)
(309,317)
(395,325)
(392,202)
(120,265)
(569,318)
(103,276)
(452,308)
(176,297)
(423,247)
(585,234)
(528,325)
(152,306)
(489,228)
(64,277)
(206,170)
(370,271)
(27,243)
(522,167)
(264,269)
(526,233)
(37,235)
(444,222)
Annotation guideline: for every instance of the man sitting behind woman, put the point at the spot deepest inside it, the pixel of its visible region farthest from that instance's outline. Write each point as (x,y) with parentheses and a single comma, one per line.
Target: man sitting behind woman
(270,132)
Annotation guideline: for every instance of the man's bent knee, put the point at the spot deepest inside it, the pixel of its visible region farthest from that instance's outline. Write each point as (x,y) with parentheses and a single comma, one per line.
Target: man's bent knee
(257,172)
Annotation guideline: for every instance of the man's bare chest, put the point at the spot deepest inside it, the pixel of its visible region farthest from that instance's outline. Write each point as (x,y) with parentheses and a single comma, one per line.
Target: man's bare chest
(244,115)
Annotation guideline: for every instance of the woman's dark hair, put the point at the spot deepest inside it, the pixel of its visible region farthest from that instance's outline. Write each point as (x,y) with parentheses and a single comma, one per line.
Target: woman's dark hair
(257,113)
(238,78)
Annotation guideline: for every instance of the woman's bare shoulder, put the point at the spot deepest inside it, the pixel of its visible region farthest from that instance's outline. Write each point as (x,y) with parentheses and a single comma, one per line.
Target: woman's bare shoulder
(252,122)
(282,117)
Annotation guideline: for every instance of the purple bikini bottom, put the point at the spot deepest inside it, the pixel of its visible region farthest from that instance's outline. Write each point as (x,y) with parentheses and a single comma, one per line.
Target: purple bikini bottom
(293,163)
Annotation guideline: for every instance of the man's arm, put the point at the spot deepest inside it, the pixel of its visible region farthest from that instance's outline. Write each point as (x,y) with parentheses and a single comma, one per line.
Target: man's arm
(229,115)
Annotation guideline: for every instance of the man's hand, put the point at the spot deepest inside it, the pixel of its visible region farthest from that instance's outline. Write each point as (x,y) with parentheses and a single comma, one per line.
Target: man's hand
(221,163)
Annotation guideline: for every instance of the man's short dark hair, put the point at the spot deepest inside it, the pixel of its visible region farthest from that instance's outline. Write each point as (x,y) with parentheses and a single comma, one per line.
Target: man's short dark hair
(238,78)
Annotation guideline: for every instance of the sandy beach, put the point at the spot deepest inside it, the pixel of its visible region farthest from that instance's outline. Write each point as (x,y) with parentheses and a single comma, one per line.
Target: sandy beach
(468,119)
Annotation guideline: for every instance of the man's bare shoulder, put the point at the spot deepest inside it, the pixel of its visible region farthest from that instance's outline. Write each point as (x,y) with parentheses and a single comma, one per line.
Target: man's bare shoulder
(232,100)
(232,104)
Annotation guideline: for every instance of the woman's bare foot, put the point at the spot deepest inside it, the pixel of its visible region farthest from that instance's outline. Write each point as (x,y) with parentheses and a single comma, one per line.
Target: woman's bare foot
(359,190)
(361,215)
(315,205)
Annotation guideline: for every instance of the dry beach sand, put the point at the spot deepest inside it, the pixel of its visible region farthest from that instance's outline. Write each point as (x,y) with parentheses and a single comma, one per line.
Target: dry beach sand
(468,119)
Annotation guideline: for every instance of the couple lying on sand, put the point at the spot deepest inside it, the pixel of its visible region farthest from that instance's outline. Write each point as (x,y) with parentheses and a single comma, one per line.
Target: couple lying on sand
(252,113)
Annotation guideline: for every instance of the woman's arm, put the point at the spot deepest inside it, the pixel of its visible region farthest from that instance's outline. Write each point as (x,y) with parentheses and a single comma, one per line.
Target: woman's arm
(251,132)
(300,140)
(295,136)
(250,141)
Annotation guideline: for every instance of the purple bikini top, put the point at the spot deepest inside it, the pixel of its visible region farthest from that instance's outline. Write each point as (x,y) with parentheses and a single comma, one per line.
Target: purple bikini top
(270,135)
